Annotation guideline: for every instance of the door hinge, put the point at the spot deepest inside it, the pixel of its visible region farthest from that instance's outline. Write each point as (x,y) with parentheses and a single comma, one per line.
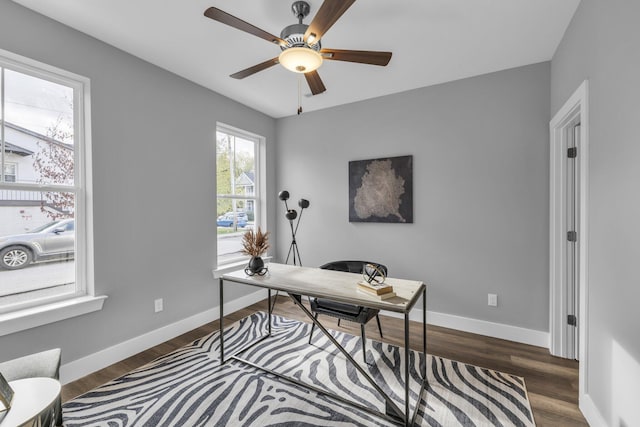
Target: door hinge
(572,320)
(572,236)
(572,152)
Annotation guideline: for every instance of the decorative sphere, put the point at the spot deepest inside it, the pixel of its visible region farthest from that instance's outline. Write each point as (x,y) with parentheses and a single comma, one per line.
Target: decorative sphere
(291,214)
(372,273)
(303,203)
(283,195)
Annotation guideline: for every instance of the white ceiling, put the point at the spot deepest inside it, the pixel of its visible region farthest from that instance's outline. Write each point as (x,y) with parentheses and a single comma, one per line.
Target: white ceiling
(433,41)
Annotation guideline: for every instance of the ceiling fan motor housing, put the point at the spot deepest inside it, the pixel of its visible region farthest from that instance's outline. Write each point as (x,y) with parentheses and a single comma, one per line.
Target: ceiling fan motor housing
(294,36)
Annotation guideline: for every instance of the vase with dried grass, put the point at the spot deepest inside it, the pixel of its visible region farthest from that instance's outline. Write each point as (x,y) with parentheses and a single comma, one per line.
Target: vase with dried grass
(255,244)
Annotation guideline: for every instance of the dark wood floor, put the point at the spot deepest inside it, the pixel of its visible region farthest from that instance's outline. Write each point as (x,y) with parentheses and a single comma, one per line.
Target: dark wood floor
(552,382)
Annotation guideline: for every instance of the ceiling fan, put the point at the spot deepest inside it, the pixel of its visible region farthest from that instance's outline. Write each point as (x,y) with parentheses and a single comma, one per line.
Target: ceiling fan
(300,43)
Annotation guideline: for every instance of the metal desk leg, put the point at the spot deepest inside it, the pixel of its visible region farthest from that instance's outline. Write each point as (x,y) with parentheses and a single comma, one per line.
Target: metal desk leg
(423,369)
(406,369)
(270,309)
(221,321)
(389,403)
(424,332)
(221,331)
(273,304)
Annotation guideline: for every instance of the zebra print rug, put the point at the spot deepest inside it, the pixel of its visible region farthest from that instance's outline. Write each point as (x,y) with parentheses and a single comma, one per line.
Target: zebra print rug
(188,387)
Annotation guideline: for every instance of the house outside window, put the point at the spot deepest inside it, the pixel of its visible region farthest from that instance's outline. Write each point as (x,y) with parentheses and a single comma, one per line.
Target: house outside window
(238,166)
(10,172)
(45,221)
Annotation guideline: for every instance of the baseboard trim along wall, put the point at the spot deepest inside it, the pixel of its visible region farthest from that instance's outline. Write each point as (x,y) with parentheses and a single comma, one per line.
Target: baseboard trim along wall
(591,412)
(94,362)
(481,327)
(79,368)
(490,329)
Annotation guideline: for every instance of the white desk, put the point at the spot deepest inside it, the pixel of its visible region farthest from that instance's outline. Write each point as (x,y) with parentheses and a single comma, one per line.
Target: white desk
(32,399)
(342,287)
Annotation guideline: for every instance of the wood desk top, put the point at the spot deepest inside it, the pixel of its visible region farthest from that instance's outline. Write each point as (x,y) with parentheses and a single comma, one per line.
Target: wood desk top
(335,285)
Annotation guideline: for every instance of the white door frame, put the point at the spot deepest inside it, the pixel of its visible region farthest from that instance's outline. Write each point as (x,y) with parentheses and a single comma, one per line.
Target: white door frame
(575,109)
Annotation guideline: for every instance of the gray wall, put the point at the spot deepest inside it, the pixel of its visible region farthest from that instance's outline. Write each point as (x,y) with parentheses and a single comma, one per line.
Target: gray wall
(154,186)
(601,45)
(480,152)
(480,148)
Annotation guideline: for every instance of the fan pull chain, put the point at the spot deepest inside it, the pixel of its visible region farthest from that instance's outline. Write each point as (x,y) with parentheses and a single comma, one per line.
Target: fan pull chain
(299,93)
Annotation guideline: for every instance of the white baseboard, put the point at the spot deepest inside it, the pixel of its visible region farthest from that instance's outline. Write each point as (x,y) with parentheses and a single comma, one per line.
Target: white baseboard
(591,412)
(481,327)
(79,368)
(490,329)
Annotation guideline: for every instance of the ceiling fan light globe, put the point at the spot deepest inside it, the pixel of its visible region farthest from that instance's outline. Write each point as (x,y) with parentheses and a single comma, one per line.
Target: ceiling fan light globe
(300,59)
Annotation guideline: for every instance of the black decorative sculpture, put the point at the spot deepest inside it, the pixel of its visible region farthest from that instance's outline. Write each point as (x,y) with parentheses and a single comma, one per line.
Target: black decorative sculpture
(291,215)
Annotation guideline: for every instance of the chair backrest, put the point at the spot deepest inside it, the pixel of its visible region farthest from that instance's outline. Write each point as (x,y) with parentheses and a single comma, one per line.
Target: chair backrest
(351,266)
(43,364)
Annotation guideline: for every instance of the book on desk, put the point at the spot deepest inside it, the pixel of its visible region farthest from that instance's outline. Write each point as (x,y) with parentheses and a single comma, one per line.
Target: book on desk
(380,291)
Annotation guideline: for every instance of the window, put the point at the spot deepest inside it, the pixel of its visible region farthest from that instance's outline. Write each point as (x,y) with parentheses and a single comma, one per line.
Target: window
(45,225)
(239,186)
(10,172)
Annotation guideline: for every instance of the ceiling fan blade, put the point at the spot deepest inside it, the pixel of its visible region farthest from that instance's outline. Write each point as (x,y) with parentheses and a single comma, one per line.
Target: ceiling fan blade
(362,56)
(315,82)
(252,70)
(328,14)
(221,16)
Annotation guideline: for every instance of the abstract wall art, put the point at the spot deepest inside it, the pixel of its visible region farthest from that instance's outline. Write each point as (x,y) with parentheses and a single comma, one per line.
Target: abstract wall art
(381,190)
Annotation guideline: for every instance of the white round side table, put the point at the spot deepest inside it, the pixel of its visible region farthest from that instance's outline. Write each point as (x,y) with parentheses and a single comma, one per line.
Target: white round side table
(32,399)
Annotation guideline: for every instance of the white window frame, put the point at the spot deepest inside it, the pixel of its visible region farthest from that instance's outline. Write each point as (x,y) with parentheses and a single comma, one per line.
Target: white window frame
(46,310)
(259,197)
(15,171)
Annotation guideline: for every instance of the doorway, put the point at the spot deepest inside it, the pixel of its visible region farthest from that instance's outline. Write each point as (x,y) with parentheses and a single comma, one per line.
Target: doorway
(568,229)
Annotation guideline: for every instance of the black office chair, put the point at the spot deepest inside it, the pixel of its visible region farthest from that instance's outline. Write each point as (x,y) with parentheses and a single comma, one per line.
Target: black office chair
(342,311)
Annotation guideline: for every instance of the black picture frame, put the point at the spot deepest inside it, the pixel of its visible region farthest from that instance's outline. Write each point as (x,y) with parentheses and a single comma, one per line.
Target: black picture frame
(381,190)
(6,393)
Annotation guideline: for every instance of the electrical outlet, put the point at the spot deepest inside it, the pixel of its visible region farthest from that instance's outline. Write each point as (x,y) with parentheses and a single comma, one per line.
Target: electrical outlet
(493,300)
(159,305)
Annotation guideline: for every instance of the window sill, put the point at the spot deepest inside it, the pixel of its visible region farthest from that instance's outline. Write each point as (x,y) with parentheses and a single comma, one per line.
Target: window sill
(37,316)
(233,266)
